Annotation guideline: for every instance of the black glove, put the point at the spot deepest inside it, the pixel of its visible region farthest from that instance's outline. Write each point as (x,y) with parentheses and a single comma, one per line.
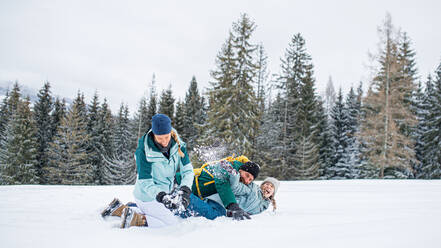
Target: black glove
(185,192)
(160,196)
(234,211)
(167,200)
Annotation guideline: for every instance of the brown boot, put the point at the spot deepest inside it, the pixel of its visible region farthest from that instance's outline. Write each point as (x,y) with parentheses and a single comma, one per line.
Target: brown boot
(131,218)
(115,208)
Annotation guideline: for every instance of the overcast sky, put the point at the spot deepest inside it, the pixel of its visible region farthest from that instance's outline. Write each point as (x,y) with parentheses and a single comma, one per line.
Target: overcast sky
(114,47)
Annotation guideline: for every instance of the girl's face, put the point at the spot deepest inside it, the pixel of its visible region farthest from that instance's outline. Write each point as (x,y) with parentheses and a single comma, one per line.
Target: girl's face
(267,190)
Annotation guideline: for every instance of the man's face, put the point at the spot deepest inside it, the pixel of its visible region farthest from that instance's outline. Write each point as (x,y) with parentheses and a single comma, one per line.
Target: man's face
(246,177)
(163,140)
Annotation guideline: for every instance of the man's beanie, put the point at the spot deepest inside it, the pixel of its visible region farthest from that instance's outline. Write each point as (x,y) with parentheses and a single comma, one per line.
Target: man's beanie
(161,124)
(252,168)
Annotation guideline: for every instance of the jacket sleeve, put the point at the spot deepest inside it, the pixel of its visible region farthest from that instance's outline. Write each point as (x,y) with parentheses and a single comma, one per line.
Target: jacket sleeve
(144,168)
(239,188)
(186,168)
(222,183)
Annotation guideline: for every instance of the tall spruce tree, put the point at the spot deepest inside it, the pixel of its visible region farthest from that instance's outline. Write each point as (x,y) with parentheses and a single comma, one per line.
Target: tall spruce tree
(94,144)
(270,142)
(420,107)
(431,166)
(179,119)
(4,118)
(352,155)
(306,161)
(194,114)
(141,120)
(20,160)
(152,106)
(234,114)
(42,109)
(338,169)
(119,167)
(167,103)
(58,113)
(325,141)
(68,163)
(4,115)
(329,96)
(300,116)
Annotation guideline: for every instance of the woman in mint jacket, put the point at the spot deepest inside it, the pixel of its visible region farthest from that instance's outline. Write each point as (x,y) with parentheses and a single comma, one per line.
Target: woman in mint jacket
(159,155)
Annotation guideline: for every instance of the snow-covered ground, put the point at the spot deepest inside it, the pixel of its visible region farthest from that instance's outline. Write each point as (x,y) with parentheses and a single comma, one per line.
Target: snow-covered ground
(310,214)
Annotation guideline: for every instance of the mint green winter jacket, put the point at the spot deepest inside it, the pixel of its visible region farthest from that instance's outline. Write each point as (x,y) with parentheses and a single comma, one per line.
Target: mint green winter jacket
(155,172)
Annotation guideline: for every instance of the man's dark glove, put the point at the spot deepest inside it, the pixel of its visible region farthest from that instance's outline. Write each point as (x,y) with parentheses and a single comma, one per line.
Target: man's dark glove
(185,192)
(234,211)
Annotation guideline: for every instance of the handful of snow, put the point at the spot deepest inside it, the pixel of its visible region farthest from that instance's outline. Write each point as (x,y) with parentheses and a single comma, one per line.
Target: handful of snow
(174,201)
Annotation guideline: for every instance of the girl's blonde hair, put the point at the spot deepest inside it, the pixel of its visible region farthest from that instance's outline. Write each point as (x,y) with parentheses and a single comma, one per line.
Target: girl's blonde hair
(175,137)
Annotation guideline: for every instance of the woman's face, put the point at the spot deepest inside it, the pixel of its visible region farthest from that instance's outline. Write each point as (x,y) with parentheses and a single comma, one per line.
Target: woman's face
(267,189)
(163,140)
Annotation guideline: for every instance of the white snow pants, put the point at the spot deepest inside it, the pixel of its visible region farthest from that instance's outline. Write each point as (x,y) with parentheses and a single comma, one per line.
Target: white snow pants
(156,213)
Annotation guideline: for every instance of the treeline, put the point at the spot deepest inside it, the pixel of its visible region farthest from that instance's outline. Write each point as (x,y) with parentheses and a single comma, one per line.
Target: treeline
(391,131)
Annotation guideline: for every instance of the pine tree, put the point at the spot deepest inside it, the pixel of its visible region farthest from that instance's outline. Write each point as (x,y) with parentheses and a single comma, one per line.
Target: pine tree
(329,96)
(119,167)
(270,140)
(338,169)
(180,119)
(141,118)
(4,118)
(421,108)
(57,115)
(194,112)
(234,114)
(94,144)
(152,105)
(42,109)
(146,110)
(300,117)
(167,103)
(306,161)
(352,154)
(431,168)
(21,147)
(68,151)
(9,108)
(262,77)
(14,99)
(105,136)
(4,115)
(325,142)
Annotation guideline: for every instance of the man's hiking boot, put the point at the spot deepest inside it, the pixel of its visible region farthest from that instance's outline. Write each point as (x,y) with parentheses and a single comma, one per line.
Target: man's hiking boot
(131,218)
(115,208)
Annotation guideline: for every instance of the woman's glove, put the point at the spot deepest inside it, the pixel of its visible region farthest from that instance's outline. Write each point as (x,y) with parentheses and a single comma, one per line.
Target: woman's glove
(177,200)
(234,211)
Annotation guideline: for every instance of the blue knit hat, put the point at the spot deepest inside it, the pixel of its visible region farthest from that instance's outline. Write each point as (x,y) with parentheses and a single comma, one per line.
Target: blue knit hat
(161,124)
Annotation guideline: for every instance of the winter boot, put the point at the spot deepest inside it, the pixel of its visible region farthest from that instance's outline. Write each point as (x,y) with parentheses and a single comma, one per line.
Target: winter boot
(131,218)
(115,208)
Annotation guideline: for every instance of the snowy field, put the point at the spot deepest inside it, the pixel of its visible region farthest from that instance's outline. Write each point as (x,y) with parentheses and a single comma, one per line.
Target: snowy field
(310,214)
